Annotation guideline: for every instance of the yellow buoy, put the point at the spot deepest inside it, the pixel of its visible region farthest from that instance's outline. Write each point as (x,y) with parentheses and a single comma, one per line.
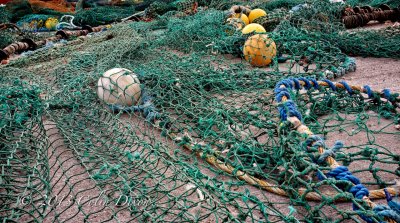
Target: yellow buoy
(119,86)
(243,17)
(256,13)
(259,50)
(51,23)
(253,27)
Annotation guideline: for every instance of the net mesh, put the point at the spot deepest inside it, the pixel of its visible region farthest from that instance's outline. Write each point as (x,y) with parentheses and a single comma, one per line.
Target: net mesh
(206,143)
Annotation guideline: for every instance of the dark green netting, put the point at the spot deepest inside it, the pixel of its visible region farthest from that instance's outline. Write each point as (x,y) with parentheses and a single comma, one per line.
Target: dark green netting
(67,157)
(95,16)
(6,36)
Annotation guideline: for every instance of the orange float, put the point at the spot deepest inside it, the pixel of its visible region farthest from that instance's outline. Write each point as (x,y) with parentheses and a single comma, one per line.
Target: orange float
(259,50)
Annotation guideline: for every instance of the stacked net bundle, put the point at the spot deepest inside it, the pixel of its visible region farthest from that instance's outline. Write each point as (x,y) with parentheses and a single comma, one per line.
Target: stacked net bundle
(207,141)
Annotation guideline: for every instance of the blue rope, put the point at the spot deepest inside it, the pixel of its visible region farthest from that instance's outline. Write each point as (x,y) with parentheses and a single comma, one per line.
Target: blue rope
(347,87)
(307,83)
(330,152)
(395,206)
(387,95)
(297,84)
(358,190)
(343,173)
(385,211)
(331,84)
(285,82)
(369,91)
(288,108)
(315,82)
(147,107)
(391,211)
(282,92)
(314,138)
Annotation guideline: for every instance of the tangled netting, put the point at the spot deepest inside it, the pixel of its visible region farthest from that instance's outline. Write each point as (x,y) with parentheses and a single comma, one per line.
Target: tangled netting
(212,138)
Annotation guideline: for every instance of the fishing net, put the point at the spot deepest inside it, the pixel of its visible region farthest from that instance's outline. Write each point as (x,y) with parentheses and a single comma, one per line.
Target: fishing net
(211,139)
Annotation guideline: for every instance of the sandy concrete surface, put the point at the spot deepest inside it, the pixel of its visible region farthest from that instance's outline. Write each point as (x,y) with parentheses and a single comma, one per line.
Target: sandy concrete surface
(378,73)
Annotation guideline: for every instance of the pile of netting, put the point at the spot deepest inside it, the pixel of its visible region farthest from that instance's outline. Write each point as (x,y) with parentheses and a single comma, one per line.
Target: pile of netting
(212,138)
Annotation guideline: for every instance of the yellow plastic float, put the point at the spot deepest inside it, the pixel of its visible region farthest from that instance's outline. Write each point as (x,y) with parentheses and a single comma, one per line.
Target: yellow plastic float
(259,50)
(256,13)
(253,27)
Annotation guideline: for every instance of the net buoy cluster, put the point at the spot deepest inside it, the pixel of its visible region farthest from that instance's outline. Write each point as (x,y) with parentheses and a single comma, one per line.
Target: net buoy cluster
(258,49)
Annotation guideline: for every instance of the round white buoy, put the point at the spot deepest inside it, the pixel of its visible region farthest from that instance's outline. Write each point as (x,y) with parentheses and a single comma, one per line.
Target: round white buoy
(119,86)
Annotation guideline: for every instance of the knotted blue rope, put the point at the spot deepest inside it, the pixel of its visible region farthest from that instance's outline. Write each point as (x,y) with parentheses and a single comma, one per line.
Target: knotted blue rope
(358,190)
(385,211)
(288,108)
(390,97)
(392,204)
(386,94)
(330,152)
(393,211)
(314,138)
(343,173)
(147,107)
(281,92)
(286,82)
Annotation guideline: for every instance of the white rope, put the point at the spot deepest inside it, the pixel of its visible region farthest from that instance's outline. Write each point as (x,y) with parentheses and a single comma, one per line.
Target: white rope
(68,24)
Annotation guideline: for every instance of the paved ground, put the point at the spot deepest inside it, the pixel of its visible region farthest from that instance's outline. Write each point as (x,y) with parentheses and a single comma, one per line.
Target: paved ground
(379,73)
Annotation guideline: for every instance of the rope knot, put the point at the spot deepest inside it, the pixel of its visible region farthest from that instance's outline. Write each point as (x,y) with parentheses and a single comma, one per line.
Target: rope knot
(359,191)
(386,212)
(330,152)
(395,206)
(288,109)
(312,139)
(343,173)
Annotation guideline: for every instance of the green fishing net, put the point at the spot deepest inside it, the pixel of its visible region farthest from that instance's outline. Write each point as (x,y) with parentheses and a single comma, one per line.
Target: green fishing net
(206,142)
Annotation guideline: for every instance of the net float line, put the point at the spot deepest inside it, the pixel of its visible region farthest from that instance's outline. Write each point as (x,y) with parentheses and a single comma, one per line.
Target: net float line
(288,112)
(186,141)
